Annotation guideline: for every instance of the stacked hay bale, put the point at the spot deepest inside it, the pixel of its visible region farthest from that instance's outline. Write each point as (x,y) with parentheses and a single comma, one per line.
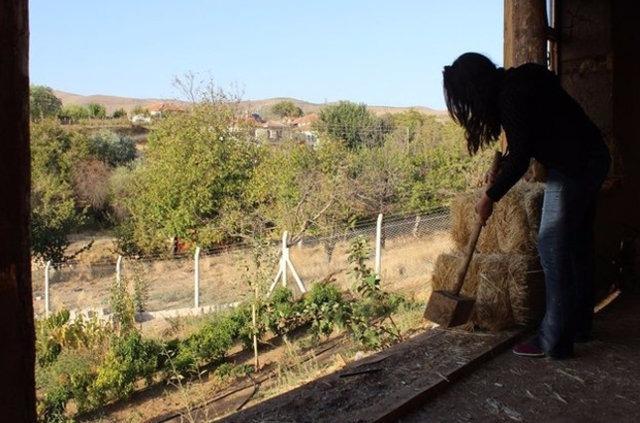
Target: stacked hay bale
(505,276)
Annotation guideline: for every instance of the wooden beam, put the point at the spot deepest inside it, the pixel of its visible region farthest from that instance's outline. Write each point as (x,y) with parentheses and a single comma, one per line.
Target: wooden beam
(17,353)
(525,41)
(525,32)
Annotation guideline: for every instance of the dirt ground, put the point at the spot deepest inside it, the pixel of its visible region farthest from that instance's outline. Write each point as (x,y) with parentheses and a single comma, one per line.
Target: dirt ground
(365,390)
(599,385)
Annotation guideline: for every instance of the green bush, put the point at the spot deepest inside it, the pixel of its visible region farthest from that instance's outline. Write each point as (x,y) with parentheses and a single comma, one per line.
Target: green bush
(325,307)
(74,113)
(68,377)
(111,148)
(48,346)
(242,322)
(119,113)
(209,344)
(130,358)
(96,111)
(54,154)
(282,313)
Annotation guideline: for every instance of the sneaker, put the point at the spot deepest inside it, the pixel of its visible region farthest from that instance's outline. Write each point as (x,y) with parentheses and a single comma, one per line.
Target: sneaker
(528,349)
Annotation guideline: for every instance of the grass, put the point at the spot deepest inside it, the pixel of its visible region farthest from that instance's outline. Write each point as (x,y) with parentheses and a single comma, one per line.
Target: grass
(406,266)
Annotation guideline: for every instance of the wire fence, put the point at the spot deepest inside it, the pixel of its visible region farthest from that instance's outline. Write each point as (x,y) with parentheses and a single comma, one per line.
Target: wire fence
(408,247)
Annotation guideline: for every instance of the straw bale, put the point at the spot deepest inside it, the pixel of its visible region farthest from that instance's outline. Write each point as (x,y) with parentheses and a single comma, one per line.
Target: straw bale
(506,287)
(526,289)
(511,229)
(464,217)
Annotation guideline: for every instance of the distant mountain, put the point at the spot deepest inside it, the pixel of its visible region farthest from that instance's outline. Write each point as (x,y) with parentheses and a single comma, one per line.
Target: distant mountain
(259,106)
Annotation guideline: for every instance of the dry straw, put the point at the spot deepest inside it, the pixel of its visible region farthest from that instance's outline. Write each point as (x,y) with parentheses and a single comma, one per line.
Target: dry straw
(507,288)
(513,226)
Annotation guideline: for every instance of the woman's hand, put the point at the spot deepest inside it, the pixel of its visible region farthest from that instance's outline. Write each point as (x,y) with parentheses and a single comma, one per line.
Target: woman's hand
(490,177)
(484,208)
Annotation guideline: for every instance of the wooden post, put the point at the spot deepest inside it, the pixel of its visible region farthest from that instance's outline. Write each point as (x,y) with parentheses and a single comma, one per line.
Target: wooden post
(378,259)
(17,355)
(119,271)
(525,41)
(47,305)
(196,278)
(256,361)
(285,257)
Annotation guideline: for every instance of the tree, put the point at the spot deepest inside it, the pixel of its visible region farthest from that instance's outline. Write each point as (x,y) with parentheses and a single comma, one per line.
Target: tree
(54,153)
(302,190)
(195,168)
(353,123)
(111,148)
(381,178)
(43,102)
(410,121)
(286,109)
(96,111)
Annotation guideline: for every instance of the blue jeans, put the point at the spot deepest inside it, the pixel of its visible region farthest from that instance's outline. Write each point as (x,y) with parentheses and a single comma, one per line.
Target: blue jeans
(565,244)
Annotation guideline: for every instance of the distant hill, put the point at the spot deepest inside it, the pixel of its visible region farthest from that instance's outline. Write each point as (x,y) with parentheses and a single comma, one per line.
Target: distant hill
(259,106)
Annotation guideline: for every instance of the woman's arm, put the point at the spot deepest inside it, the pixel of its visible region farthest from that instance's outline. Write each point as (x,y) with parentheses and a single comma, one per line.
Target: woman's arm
(514,111)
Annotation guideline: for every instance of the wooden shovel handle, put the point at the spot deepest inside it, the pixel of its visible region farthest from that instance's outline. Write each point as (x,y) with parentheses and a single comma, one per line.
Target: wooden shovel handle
(473,240)
(471,247)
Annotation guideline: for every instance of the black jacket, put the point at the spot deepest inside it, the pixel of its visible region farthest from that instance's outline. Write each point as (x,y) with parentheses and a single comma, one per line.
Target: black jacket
(541,121)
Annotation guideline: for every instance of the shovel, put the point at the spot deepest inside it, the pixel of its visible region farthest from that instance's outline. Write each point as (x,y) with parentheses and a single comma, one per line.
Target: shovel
(450,308)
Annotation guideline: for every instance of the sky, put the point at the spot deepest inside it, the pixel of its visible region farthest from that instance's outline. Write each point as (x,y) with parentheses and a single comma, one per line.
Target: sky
(375,52)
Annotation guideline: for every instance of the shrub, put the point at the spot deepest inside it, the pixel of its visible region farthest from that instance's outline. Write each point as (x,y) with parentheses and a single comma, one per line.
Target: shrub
(122,305)
(96,111)
(325,307)
(119,113)
(111,148)
(242,322)
(282,313)
(91,184)
(367,315)
(54,153)
(130,358)
(48,345)
(58,332)
(209,344)
(214,339)
(73,113)
(68,378)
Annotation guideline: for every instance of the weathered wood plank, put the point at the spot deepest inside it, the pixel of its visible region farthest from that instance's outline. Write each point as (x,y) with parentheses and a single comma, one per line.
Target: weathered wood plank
(17,355)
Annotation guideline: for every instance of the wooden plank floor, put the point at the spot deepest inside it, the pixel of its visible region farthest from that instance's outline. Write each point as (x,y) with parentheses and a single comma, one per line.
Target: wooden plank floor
(599,385)
(385,385)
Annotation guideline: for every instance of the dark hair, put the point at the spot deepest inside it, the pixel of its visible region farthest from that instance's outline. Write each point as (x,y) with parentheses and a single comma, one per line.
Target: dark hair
(471,87)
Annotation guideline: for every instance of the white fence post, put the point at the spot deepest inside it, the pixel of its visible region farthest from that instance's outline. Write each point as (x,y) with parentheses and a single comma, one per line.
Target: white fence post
(47,305)
(119,270)
(285,257)
(378,260)
(196,278)
(416,226)
(285,263)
